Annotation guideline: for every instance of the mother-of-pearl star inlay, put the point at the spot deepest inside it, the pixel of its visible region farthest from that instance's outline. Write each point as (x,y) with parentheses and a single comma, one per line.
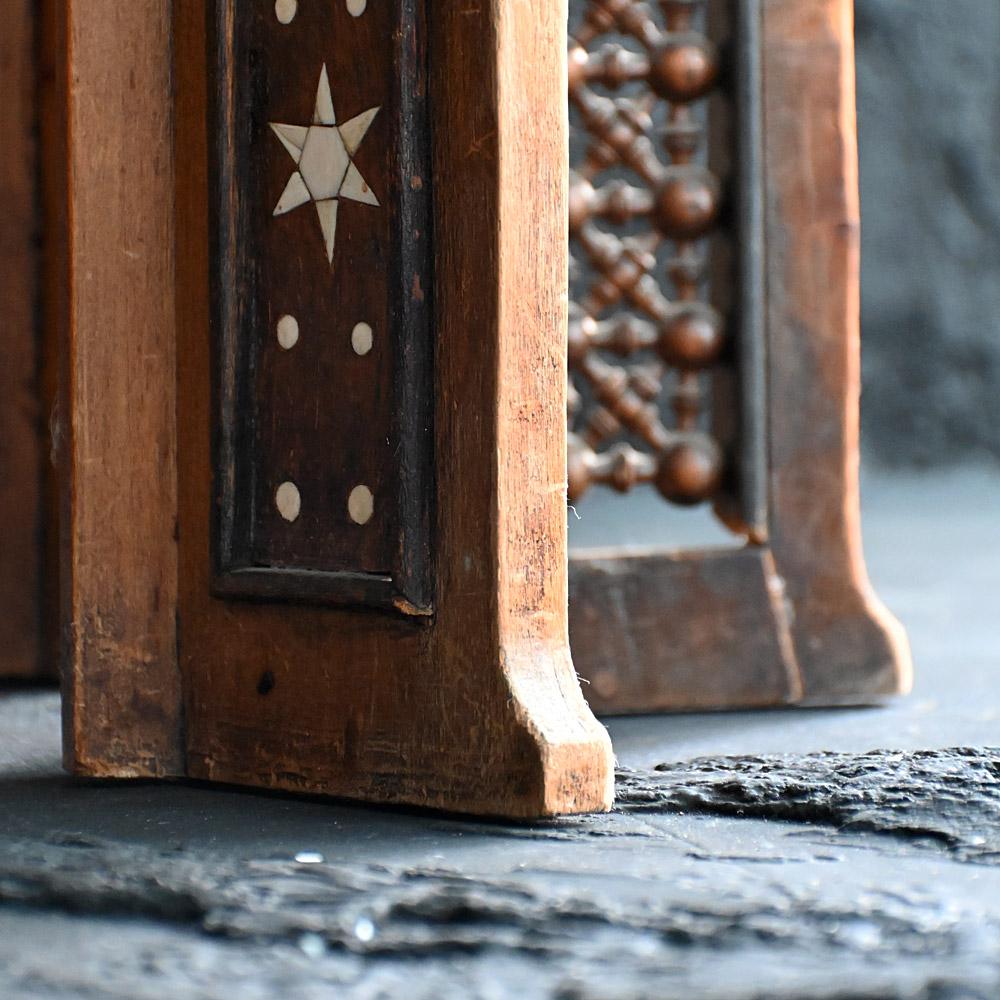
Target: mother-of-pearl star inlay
(323,152)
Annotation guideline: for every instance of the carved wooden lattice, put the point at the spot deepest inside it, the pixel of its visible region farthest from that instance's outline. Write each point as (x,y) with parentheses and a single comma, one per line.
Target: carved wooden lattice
(642,335)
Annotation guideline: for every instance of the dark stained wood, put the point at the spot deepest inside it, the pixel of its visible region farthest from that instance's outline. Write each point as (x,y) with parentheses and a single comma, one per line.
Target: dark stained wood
(657,632)
(317,415)
(53,312)
(22,447)
(476,709)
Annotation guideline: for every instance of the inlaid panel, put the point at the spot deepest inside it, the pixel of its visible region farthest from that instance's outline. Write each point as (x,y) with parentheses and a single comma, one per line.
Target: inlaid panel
(321,277)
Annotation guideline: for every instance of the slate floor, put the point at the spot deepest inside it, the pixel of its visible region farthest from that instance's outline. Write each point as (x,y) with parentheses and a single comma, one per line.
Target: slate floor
(881,881)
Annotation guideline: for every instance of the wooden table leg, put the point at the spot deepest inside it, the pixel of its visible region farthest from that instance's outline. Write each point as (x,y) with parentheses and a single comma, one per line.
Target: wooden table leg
(316,476)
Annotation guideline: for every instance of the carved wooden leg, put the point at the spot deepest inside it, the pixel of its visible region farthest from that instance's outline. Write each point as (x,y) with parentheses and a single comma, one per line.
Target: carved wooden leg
(316,518)
(714,354)
(847,645)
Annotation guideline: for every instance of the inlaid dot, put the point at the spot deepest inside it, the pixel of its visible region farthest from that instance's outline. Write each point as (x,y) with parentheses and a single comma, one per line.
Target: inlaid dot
(361,339)
(361,505)
(288,332)
(288,501)
(285,10)
(356,7)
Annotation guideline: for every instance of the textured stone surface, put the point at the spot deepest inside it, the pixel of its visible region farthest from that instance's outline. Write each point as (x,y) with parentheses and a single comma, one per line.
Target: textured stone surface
(751,867)
(945,797)
(862,890)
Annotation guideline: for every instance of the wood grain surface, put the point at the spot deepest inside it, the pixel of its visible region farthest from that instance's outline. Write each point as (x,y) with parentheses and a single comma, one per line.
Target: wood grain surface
(477,709)
(118,399)
(691,630)
(849,648)
(22,449)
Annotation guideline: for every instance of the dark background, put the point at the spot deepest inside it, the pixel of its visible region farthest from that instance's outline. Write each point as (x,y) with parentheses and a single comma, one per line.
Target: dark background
(929,124)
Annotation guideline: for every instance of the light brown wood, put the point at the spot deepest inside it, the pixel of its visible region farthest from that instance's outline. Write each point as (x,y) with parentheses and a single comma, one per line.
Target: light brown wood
(848,646)
(118,438)
(477,710)
(22,449)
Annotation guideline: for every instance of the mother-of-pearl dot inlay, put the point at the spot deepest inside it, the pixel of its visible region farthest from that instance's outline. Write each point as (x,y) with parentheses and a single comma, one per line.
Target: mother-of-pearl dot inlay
(361,505)
(288,332)
(356,7)
(285,10)
(288,501)
(324,152)
(361,339)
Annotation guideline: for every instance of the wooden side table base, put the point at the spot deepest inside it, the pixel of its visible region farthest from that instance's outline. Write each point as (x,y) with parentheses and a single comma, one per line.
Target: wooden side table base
(325,555)
(729,376)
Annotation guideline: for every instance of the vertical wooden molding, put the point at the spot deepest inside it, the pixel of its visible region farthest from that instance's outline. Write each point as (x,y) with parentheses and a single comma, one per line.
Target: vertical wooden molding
(502,161)
(118,398)
(531,390)
(848,646)
(21,446)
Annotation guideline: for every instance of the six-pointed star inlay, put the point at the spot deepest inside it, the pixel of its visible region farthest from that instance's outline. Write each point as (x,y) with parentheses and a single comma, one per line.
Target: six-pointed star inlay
(323,152)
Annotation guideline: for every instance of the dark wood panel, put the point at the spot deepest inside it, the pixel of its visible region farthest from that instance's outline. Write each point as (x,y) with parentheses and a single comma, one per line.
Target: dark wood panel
(22,451)
(321,268)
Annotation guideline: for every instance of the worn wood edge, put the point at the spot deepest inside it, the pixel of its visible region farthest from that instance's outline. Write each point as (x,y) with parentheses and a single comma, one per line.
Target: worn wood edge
(897,647)
(122,714)
(574,754)
(575,759)
(22,500)
(861,652)
(637,661)
(888,669)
